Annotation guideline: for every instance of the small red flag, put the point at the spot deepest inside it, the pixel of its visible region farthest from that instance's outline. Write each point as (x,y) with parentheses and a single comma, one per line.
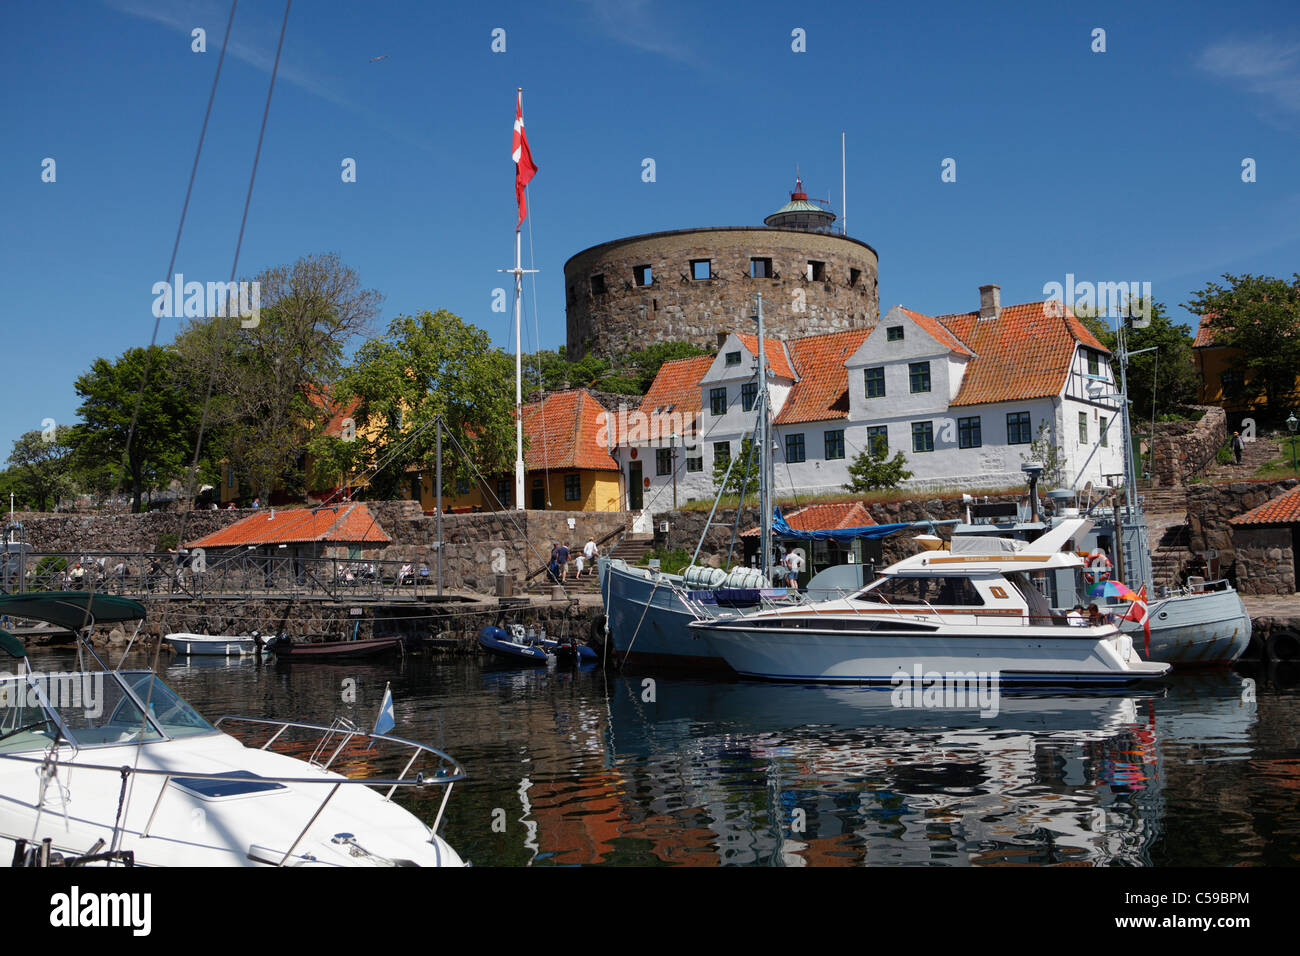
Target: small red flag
(525,168)
(1138,612)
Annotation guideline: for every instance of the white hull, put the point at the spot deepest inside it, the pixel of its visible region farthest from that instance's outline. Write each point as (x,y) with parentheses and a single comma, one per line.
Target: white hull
(191,645)
(191,830)
(1095,656)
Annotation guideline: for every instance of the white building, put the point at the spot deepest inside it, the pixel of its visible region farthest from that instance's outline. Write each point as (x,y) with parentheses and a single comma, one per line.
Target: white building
(961,396)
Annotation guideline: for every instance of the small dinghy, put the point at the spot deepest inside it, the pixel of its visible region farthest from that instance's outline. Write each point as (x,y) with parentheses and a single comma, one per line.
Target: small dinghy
(285,648)
(513,645)
(206,645)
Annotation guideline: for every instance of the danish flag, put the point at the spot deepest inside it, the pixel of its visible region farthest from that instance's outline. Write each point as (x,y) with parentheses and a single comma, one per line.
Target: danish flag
(525,168)
(1138,612)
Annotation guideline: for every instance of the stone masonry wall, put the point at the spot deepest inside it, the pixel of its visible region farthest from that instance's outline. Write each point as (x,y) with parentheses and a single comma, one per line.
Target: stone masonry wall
(1183,449)
(1265,560)
(1211,508)
(675,307)
(524,538)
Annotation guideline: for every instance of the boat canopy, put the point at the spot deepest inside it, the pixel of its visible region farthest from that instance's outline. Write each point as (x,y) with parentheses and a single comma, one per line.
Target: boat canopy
(984,544)
(12,645)
(71,610)
(869,532)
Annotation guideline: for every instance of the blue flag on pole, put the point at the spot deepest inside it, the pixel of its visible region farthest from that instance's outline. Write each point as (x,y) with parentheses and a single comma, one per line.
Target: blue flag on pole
(385,721)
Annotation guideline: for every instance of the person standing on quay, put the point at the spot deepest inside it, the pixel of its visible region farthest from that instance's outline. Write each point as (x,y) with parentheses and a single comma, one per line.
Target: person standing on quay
(1237,446)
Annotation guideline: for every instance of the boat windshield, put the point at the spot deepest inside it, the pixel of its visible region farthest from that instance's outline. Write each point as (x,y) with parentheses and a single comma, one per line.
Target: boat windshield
(24,723)
(168,709)
(95,709)
(924,589)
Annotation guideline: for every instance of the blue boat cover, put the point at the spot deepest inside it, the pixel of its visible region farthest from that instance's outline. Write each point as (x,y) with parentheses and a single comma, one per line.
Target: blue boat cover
(870,532)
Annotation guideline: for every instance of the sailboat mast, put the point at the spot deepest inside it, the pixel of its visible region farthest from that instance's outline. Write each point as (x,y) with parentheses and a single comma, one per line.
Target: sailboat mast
(764,490)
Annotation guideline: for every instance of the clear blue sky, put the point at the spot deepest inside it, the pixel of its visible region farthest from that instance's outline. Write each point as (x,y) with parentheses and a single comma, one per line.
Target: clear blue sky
(1115,166)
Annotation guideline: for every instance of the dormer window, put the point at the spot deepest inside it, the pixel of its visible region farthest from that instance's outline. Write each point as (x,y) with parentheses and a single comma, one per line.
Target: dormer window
(733,358)
(894,333)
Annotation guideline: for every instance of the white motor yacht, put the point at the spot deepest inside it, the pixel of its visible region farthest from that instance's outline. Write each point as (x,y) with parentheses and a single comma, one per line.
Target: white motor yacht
(112,767)
(972,610)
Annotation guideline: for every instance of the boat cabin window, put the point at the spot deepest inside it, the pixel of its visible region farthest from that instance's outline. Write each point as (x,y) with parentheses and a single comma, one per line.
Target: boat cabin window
(900,589)
(24,723)
(171,712)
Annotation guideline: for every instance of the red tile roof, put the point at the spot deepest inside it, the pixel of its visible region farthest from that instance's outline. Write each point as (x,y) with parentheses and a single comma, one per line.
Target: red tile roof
(1284,509)
(564,430)
(1205,332)
(935,329)
(1024,353)
(824,516)
(776,353)
(344,523)
(822,392)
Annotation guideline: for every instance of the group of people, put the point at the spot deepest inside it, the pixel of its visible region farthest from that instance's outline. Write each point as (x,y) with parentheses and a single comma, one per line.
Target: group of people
(1091,617)
(558,566)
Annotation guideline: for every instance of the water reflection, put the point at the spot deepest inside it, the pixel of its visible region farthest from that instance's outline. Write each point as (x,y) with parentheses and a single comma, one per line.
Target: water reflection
(569,767)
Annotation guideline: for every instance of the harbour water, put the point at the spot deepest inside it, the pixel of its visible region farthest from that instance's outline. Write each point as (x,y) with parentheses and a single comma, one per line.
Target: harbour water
(577,768)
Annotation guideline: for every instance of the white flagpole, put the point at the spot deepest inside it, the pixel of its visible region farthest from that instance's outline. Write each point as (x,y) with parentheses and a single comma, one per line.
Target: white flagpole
(519,376)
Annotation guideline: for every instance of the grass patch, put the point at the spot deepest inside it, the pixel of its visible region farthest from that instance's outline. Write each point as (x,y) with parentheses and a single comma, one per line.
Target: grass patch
(1281,467)
(670,562)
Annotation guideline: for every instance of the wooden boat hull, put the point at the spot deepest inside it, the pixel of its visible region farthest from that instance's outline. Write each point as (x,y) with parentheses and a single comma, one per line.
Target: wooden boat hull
(336,650)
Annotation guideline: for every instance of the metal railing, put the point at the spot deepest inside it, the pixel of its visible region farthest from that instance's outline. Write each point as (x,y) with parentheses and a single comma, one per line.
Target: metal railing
(235,574)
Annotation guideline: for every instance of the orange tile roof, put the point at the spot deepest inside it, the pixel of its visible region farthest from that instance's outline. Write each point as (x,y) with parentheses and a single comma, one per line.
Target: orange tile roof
(825,516)
(564,431)
(1284,509)
(936,330)
(822,392)
(675,392)
(776,353)
(1205,332)
(344,523)
(1024,353)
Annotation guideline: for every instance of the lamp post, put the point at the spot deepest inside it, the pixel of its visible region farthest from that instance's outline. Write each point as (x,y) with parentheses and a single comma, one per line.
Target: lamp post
(1291,424)
(672,441)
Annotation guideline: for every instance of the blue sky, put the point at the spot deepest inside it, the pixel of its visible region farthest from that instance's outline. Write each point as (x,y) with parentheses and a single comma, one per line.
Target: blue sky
(1115,166)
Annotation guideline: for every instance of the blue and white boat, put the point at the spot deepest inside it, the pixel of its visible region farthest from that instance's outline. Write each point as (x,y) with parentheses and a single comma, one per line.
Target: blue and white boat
(206,645)
(512,645)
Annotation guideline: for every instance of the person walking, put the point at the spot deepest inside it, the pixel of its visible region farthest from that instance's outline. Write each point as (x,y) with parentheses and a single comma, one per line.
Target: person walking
(591,552)
(1237,446)
(562,558)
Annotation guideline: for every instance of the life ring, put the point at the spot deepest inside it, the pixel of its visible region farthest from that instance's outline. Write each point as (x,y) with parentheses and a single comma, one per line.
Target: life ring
(1098,568)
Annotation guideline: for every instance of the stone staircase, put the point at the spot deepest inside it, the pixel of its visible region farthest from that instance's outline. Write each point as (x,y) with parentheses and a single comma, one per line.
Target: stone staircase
(1254,456)
(631,549)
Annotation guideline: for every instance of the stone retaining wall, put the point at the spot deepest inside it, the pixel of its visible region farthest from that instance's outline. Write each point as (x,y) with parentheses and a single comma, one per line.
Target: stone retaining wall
(1265,560)
(1183,449)
(522,539)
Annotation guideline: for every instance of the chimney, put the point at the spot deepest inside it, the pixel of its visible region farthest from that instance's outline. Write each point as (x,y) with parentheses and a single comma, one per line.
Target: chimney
(990,301)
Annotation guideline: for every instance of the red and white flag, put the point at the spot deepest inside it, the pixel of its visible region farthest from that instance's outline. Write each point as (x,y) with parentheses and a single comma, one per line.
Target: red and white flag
(1138,612)
(525,168)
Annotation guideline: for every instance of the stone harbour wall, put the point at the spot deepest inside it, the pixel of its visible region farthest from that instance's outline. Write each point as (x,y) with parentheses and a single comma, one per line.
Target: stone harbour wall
(1183,449)
(676,307)
(1211,508)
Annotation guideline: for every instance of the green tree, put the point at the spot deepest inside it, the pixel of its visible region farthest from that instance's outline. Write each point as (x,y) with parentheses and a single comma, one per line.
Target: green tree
(165,428)
(1047,453)
(427,365)
(1166,376)
(40,468)
(271,381)
(1260,316)
(874,470)
(744,477)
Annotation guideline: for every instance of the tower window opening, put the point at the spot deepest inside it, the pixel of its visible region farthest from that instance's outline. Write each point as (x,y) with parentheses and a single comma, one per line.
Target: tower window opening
(816,271)
(643,275)
(854,276)
(701,268)
(760,268)
(598,284)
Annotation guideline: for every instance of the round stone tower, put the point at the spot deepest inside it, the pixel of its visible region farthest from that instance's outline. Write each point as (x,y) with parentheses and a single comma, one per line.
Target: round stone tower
(696,285)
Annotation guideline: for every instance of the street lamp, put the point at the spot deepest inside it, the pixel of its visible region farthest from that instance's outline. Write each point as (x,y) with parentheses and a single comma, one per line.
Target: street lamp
(1291,424)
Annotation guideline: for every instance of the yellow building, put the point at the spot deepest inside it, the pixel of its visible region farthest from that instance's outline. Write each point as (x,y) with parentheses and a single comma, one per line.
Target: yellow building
(1214,365)
(567,464)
